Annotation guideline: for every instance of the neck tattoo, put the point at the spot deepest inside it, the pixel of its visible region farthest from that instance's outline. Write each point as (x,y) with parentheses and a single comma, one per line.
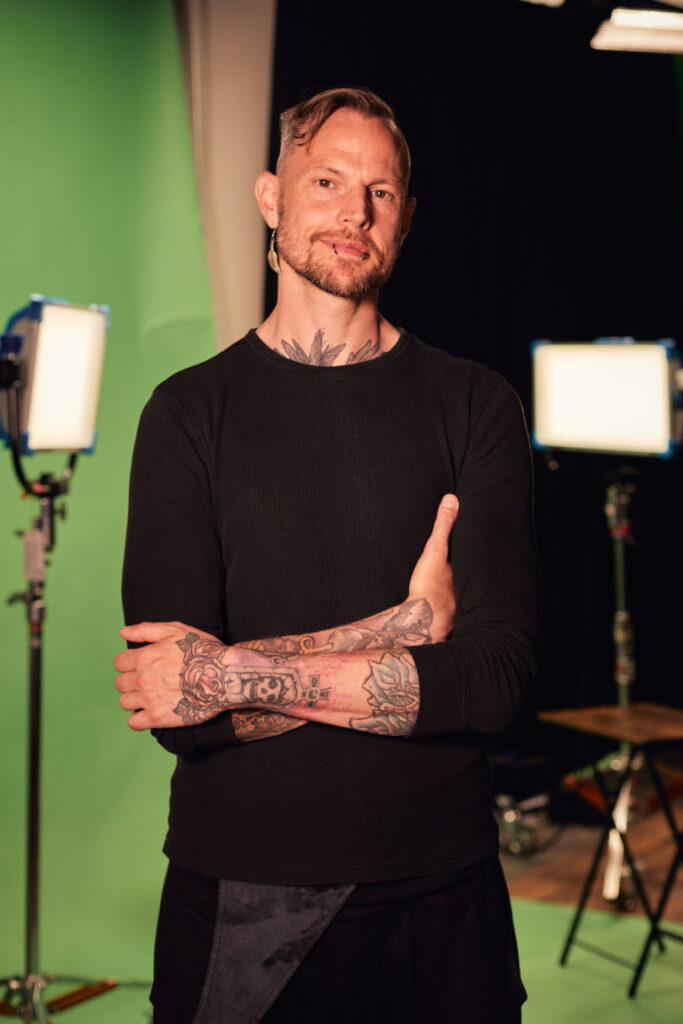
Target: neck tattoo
(321,354)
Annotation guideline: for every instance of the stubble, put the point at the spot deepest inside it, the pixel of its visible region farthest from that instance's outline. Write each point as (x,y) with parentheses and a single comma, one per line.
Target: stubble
(333,274)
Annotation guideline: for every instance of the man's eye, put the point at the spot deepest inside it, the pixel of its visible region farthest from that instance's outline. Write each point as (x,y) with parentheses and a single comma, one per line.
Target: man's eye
(381,193)
(324,182)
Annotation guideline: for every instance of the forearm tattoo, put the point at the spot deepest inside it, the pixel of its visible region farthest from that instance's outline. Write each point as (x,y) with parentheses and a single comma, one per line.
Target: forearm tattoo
(393,694)
(210,686)
(325,355)
(407,625)
(255,724)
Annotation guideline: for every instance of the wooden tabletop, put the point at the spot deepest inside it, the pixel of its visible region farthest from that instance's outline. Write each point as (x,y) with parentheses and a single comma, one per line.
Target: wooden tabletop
(636,724)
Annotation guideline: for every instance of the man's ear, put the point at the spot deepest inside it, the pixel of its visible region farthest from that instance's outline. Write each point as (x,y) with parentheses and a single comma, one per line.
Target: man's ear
(267,192)
(408,211)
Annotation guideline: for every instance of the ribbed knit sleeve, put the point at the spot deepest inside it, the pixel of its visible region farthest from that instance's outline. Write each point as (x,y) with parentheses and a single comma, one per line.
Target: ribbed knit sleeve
(476,680)
(173,566)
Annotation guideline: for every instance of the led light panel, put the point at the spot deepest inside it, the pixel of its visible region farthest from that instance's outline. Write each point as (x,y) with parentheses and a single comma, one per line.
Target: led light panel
(604,397)
(65,382)
(59,356)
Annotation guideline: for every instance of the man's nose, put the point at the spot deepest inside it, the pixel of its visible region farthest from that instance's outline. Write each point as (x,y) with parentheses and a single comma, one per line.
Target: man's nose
(356,210)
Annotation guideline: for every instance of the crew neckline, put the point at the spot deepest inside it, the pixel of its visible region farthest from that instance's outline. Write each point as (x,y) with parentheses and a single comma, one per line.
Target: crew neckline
(368,366)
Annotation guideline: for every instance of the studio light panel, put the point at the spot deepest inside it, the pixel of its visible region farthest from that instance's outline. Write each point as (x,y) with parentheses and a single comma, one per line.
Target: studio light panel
(60,356)
(604,397)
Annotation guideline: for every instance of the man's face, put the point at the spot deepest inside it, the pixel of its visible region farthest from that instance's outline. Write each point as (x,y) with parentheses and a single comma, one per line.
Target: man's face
(342,209)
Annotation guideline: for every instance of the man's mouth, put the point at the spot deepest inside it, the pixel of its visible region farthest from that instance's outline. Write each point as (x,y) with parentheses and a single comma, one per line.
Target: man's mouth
(347,249)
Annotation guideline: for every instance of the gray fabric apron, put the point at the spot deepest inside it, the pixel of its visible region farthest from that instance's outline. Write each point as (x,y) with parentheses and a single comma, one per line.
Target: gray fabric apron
(262,934)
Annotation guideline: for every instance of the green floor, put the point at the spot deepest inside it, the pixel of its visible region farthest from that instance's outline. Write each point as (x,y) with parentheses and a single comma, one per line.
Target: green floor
(589,989)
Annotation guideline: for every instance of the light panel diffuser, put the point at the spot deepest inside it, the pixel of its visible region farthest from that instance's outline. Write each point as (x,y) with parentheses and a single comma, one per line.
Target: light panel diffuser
(51,367)
(604,397)
(64,381)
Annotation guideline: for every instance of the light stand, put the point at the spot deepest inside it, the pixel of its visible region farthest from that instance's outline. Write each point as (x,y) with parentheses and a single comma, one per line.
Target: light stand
(618,500)
(618,512)
(24,994)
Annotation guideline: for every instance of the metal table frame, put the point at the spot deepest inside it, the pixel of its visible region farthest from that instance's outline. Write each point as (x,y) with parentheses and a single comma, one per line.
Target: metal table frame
(643,727)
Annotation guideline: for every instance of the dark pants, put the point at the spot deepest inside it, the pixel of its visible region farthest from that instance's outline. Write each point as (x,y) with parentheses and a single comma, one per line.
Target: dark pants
(417,951)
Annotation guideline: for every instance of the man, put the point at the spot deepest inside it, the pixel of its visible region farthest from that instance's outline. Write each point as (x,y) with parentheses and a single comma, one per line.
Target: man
(333,854)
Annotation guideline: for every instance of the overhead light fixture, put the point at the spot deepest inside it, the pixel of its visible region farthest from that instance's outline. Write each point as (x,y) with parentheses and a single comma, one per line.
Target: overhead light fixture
(614,396)
(641,31)
(545,3)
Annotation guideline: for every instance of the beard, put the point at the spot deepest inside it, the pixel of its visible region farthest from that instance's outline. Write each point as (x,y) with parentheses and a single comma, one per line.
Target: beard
(345,278)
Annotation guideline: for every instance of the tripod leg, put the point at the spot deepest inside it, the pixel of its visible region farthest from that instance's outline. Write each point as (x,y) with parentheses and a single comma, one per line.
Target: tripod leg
(24,999)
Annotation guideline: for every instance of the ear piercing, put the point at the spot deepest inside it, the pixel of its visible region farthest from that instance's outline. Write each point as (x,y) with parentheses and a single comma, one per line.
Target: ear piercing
(273,259)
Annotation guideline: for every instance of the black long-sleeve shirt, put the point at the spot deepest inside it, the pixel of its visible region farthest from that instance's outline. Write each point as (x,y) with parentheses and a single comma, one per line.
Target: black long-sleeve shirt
(270,497)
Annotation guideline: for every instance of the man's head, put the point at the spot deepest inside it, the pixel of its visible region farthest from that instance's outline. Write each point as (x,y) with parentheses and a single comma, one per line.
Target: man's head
(339,198)
(300,124)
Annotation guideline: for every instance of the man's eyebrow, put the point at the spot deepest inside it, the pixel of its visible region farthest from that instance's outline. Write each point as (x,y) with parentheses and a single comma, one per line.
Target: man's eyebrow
(391,179)
(320,168)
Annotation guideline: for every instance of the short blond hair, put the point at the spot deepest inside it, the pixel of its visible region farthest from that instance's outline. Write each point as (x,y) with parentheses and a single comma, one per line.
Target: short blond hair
(300,124)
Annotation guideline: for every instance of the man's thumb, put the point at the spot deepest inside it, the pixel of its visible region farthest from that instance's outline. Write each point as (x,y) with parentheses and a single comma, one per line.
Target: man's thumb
(443,524)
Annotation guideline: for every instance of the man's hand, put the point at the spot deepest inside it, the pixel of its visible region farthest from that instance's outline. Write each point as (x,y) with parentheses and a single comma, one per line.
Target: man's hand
(432,578)
(151,678)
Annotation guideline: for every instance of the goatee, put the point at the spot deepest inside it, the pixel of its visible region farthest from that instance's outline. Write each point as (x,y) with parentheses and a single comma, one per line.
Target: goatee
(332,278)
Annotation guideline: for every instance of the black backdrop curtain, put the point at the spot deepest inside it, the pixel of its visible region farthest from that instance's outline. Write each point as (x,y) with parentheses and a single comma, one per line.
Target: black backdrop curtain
(547,178)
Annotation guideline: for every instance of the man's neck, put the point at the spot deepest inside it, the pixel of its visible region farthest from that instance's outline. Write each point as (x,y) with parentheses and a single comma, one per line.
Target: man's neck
(309,326)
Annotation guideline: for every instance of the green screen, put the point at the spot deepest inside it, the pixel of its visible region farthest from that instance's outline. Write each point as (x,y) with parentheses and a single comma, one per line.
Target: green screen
(98,204)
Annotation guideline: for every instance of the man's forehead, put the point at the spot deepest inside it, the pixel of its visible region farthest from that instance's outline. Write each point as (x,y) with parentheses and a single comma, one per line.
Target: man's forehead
(350,136)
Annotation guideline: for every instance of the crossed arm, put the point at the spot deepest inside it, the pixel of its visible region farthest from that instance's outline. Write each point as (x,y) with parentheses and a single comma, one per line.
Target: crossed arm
(358,676)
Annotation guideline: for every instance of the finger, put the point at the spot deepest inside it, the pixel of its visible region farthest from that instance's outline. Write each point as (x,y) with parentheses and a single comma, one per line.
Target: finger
(446,515)
(139,720)
(143,718)
(151,632)
(126,682)
(125,661)
(138,658)
(131,700)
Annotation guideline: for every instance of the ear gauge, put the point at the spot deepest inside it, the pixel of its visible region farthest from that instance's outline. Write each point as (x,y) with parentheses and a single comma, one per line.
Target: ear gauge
(273,259)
